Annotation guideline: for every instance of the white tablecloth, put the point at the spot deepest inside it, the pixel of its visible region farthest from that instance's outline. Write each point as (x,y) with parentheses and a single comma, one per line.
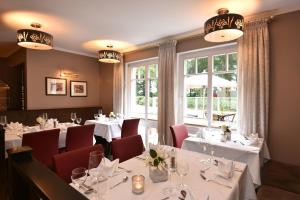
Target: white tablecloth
(106,129)
(241,182)
(14,138)
(230,150)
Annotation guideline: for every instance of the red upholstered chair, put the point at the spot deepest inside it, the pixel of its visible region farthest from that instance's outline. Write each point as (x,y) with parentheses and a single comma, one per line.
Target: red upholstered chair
(79,136)
(129,127)
(44,145)
(179,133)
(65,162)
(128,147)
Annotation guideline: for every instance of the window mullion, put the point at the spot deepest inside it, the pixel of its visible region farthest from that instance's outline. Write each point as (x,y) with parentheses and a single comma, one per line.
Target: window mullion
(209,86)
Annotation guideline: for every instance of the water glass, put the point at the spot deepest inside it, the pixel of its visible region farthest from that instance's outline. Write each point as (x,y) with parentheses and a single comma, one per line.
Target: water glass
(3,120)
(73,117)
(94,161)
(78,176)
(45,116)
(78,120)
(182,170)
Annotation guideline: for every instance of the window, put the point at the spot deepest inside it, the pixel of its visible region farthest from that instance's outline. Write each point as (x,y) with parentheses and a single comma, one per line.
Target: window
(142,96)
(208,86)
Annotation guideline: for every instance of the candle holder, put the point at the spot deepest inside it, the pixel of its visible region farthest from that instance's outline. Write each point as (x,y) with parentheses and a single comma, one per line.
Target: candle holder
(138,184)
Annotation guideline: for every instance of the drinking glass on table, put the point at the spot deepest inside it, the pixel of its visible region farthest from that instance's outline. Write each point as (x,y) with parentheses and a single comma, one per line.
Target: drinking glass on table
(73,117)
(78,120)
(94,161)
(78,176)
(182,170)
(45,116)
(3,120)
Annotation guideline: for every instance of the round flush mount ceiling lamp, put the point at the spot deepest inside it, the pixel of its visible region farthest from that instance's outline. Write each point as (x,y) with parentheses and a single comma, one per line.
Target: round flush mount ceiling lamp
(109,56)
(224,27)
(34,39)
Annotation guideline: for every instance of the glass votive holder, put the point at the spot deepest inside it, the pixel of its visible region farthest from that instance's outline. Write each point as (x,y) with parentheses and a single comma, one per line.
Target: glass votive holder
(138,184)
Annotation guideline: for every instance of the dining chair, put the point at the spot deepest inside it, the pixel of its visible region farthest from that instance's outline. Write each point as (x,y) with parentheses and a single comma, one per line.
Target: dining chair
(179,133)
(44,145)
(128,147)
(65,162)
(79,136)
(129,127)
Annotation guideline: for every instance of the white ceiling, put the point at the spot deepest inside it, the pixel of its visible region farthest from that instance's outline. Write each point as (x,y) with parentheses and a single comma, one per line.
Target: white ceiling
(78,25)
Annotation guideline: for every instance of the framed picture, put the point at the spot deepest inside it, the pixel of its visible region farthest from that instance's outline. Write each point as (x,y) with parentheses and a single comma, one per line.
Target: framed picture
(56,86)
(78,89)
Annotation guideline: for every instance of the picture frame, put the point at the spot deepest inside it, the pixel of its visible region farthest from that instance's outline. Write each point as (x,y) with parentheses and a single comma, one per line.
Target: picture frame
(55,86)
(78,88)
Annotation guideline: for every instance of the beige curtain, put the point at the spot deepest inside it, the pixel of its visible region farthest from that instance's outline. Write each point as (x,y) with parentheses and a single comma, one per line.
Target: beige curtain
(166,96)
(253,81)
(118,84)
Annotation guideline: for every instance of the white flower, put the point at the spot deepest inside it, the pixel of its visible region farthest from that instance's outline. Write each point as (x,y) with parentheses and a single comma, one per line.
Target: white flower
(40,120)
(224,128)
(156,157)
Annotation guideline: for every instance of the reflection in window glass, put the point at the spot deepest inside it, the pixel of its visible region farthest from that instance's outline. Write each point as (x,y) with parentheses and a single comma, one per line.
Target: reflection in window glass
(219,63)
(190,66)
(202,65)
(232,61)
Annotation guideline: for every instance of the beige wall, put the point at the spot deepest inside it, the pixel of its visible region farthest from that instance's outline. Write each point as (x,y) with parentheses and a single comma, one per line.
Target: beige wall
(41,64)
(106,87)
(284,132)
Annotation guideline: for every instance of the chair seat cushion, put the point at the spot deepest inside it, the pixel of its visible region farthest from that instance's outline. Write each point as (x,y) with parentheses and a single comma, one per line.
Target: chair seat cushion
(266,192)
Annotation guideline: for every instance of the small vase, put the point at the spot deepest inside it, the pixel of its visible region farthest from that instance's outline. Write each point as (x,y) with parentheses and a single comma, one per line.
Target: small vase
(157,175)
(228,135)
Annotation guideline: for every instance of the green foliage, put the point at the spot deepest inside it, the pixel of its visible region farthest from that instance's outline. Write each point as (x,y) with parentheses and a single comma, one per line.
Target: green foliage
(202,65)
(153,153)
(140,100)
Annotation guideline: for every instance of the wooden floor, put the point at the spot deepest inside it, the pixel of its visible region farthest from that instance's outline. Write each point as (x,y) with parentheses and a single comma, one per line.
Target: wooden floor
(280,182)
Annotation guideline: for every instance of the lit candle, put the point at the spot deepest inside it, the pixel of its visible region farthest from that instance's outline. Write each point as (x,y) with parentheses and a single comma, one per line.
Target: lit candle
(138,184)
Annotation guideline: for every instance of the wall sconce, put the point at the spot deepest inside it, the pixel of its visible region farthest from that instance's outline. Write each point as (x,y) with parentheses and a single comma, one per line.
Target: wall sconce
(68,74)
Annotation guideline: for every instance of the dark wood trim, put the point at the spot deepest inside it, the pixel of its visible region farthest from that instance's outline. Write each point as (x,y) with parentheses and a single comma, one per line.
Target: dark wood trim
(29,179)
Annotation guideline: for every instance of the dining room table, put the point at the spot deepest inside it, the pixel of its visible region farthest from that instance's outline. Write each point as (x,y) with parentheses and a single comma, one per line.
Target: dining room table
(238,187)
(238,148)
(106,128)
(13,137)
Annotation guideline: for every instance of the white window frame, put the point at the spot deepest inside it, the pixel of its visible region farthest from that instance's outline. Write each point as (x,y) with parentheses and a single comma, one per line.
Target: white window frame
(205,52)
(127,108)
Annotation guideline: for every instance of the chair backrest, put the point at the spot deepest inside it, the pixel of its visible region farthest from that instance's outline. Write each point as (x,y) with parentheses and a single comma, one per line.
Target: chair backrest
(79,136)
(130,127)
(44,145)
(128,147)
(179,133)
(65,162)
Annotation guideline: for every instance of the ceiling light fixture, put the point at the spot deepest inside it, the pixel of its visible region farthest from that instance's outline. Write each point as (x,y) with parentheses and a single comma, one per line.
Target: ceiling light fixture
(224,27)
(34,39)
(109,56)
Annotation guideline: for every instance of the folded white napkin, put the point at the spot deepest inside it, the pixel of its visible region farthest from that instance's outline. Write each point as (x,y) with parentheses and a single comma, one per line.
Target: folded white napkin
(16,126)
(108,167)
(225,168)
(253,139)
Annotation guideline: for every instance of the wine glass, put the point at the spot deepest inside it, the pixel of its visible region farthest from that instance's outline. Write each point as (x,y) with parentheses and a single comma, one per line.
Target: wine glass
(45,116)
(73,117)
(182,170)
(212,152)
(94,161)
(78,120)
(100,112)
(78,176)
(3,120)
